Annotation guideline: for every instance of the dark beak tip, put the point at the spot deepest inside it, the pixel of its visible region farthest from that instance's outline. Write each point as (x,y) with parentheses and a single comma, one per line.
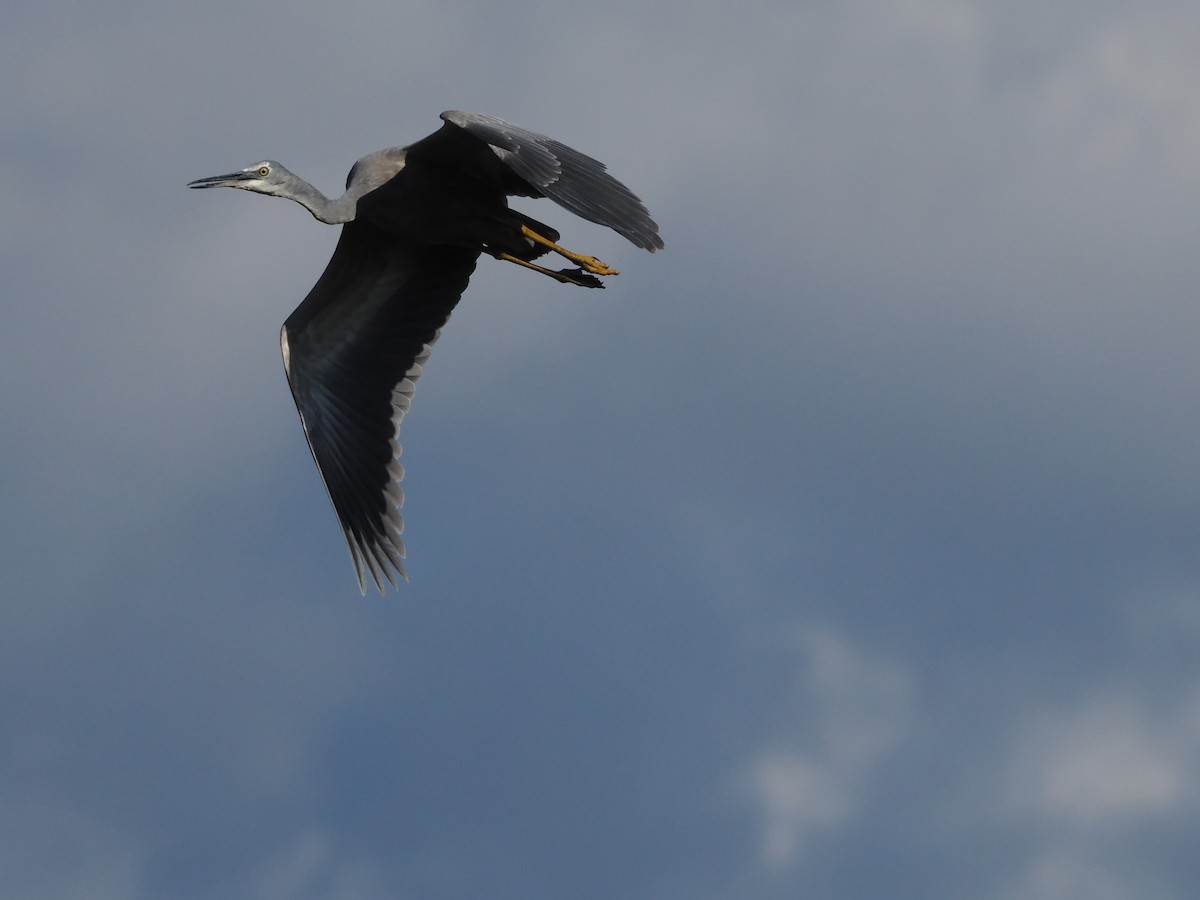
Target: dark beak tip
(219,181)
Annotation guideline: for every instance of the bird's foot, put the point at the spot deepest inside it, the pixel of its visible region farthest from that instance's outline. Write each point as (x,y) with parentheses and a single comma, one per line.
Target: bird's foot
(564,276)
(579,277)
(587,263)
(593,265)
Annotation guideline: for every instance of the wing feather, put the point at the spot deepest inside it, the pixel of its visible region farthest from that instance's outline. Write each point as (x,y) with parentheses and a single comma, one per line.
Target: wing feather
(573,180)
(353,352)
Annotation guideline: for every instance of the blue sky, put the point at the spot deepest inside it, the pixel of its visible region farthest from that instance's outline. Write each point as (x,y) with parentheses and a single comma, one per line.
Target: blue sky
(847,548)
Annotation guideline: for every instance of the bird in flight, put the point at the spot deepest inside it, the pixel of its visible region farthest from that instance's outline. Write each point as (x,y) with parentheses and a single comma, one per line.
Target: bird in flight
(414,222)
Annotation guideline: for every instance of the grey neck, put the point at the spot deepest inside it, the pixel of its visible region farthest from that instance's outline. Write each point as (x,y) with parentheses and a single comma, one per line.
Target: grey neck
(332,212)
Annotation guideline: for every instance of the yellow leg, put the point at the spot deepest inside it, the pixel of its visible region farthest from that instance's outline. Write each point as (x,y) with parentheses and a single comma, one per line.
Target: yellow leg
(589,263)
(566,276)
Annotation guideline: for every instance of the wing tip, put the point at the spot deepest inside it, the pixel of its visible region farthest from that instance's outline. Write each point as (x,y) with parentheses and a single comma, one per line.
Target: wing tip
(384,567)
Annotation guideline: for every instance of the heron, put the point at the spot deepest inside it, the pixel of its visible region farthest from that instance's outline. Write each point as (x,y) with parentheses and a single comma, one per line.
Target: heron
(415,221)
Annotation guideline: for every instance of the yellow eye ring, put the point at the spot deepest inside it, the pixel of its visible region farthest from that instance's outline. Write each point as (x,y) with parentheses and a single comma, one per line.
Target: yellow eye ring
(263,171)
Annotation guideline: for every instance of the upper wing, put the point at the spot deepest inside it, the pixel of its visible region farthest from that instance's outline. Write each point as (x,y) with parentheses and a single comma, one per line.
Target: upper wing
(353,351)
(571,179)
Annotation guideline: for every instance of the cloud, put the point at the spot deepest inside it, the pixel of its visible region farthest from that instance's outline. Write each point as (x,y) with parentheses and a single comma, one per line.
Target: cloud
(311,867)
(850,710)
(797,797)
(1106,764)
(1065,876)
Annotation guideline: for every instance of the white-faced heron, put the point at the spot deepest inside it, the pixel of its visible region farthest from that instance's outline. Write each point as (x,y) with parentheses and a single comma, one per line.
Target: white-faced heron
(415,220)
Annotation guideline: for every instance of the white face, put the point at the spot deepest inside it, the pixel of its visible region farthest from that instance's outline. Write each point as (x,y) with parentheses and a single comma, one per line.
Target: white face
(264,177)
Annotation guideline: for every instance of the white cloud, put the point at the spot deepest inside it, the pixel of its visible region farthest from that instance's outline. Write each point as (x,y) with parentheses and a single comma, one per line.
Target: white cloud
(797,796)
(1103,764)
(850,710)
(1067,876)
(1121,96)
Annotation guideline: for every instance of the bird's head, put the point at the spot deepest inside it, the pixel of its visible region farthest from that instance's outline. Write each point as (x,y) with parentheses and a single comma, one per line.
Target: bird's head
(266,177)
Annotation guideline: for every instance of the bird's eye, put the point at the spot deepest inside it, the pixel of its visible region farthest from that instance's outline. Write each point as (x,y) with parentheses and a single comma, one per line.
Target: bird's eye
(263,171)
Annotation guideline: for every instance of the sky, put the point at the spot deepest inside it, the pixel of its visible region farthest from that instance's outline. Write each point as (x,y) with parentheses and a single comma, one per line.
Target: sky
(845,548)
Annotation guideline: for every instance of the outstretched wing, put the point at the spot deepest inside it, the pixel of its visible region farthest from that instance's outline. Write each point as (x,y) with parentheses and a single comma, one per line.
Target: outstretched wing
(353,351)
(571,179)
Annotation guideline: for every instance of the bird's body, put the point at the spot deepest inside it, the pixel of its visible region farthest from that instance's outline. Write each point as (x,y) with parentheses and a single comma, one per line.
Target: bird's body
(415,221)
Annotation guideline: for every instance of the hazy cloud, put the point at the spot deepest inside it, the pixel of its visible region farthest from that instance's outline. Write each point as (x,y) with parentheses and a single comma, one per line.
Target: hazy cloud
(849,711)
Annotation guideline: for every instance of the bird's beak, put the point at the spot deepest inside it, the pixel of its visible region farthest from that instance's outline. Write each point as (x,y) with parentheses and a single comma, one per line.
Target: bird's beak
(236,179)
